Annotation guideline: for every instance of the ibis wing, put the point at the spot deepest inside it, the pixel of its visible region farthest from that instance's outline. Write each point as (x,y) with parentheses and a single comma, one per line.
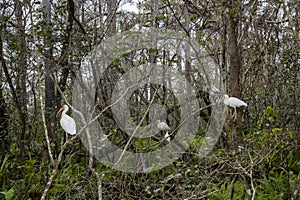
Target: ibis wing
(68,124)
(235,102)
(163,126)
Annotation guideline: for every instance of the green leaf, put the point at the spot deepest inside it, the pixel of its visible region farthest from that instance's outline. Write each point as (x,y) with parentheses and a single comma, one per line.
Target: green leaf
(9,194)
(116,61)
(276,130)
(160,16)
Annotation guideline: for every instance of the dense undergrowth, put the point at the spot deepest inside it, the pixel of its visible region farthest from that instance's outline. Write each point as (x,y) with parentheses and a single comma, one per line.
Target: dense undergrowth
(265,165)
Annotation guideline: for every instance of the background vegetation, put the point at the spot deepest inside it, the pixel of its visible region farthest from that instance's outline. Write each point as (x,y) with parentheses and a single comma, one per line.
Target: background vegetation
(255,43)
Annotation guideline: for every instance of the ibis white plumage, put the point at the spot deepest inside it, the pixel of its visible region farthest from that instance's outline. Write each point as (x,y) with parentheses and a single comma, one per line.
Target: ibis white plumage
(67,123)
(167,137)
(234,103)
(163,126)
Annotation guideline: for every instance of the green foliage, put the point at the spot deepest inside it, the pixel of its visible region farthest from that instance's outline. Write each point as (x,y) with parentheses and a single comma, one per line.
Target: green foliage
(160,16)
(270,117)
(10,194)
(4,167)
(14,149)
(193,17)
(224,191)
(116,61)
(277,186)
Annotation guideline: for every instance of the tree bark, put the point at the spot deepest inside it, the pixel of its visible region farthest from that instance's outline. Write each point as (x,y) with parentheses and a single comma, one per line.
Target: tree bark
(3,123)
(48,63)
(111,7)
(21,79)
(234,57)
(234,66)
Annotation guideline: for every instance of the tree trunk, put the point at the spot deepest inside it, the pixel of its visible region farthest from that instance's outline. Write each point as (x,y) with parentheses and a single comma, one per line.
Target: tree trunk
(111,7)
(21,77)
(3,123)
(234,57)
(234,66)
(187,48)
(49,84)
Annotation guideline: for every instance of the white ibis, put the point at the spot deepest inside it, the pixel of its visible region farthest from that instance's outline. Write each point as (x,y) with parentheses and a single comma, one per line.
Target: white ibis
(234,103)
(67,123)
(167,137)
(163,126)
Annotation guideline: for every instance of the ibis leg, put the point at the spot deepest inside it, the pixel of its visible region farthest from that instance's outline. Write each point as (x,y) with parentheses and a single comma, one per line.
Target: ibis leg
(66,138)
(235,114)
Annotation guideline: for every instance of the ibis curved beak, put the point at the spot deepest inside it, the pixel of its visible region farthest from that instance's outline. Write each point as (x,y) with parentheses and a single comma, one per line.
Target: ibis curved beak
(59,111)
